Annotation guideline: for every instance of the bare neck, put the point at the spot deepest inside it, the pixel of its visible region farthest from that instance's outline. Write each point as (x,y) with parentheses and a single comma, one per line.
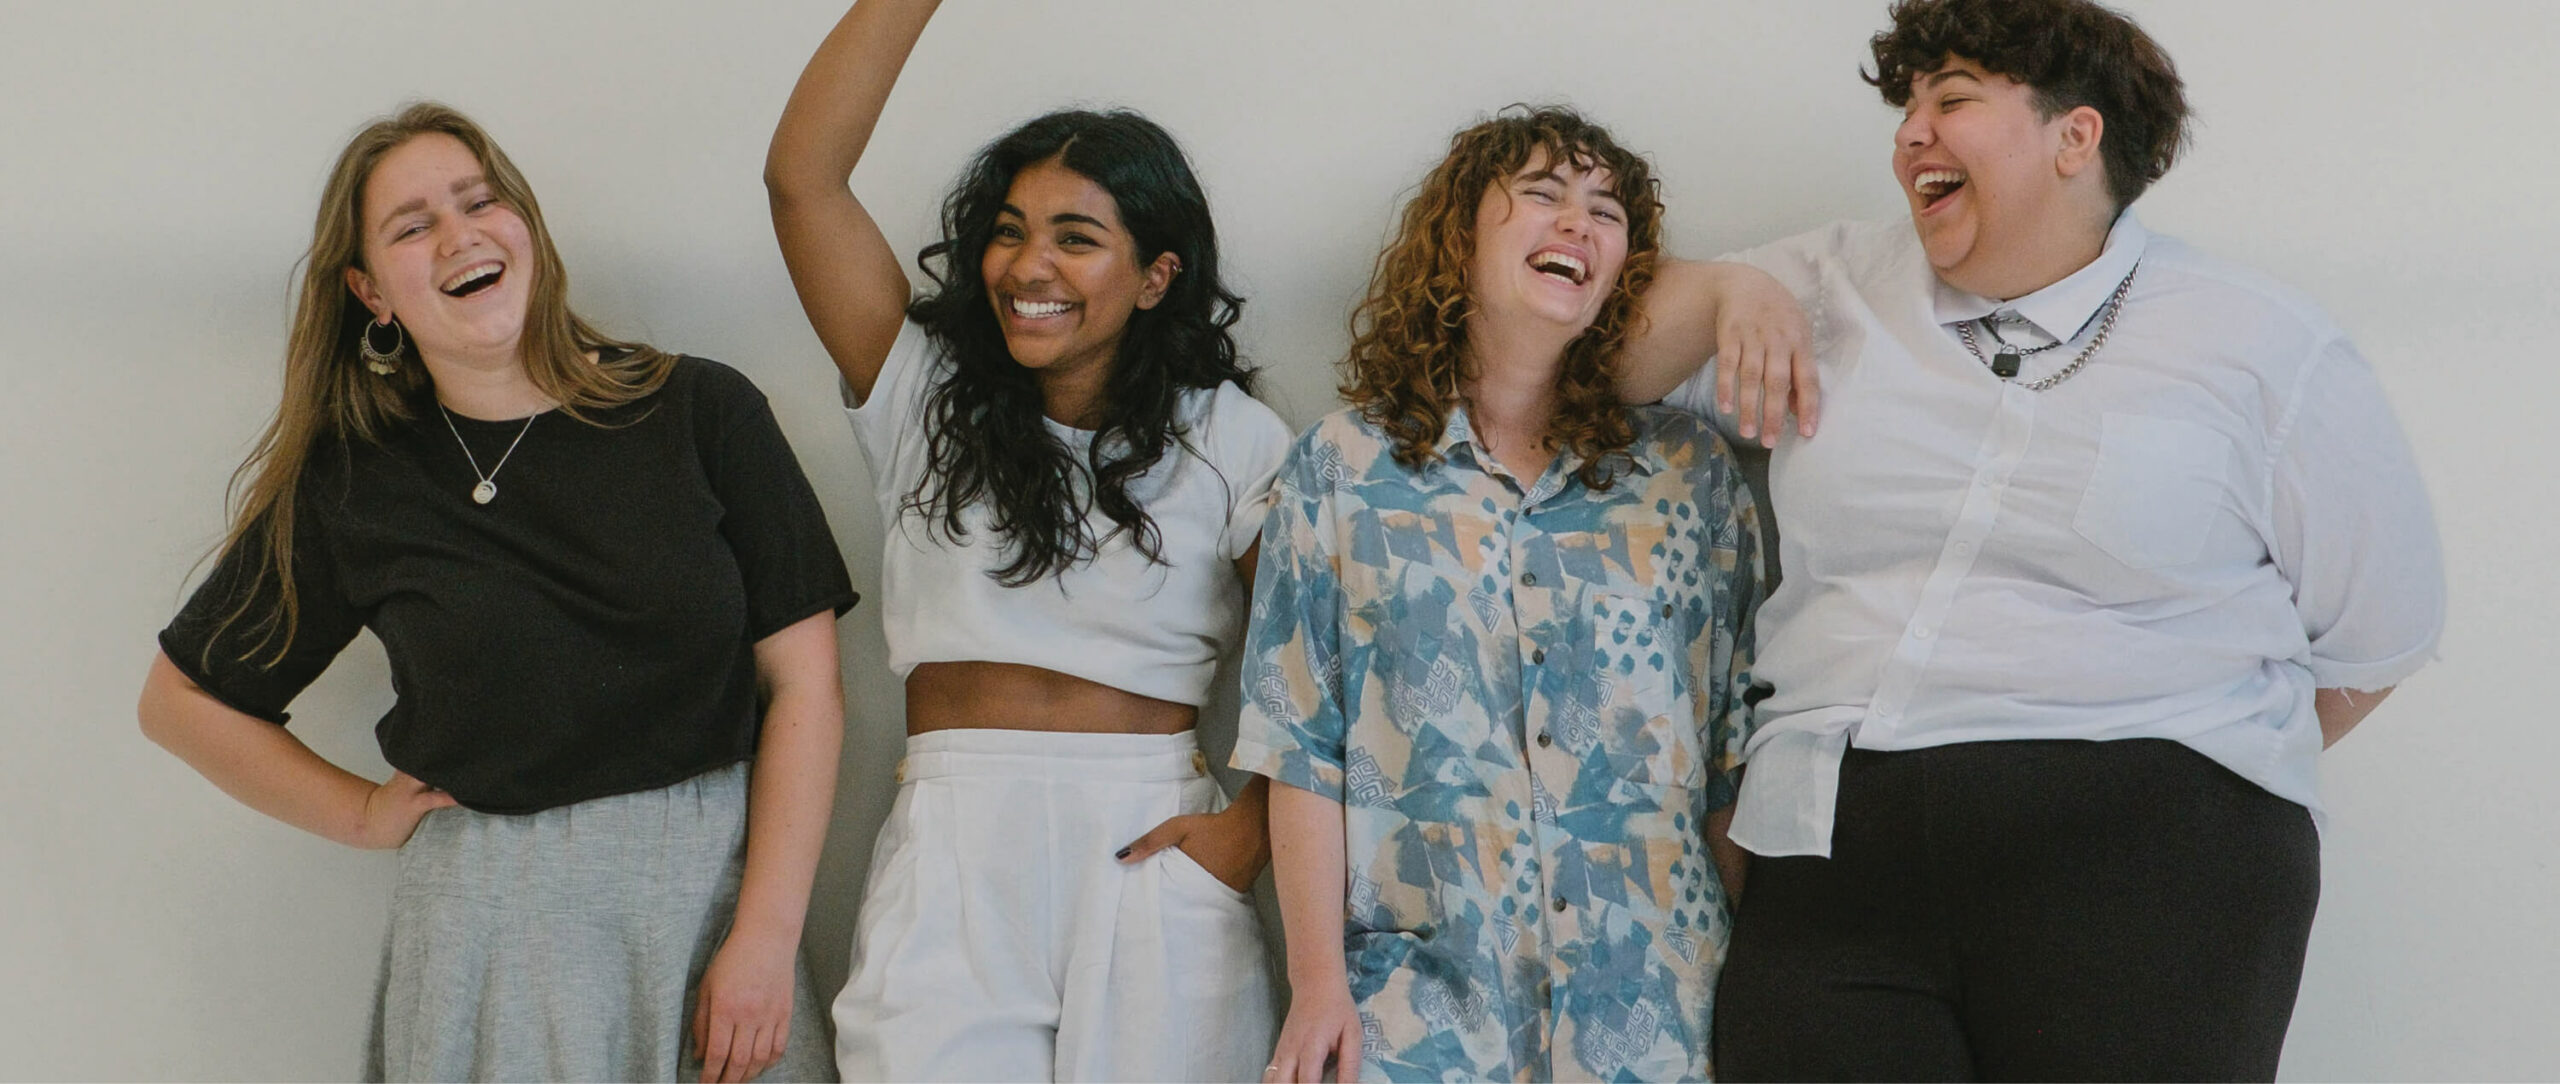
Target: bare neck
(2052,254)
(1074,397)
(488,388)
(1511,398)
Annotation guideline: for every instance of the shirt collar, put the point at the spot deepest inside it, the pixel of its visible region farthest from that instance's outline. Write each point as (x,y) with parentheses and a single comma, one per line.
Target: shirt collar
(1462,432)
(1458,431)
(2059,310)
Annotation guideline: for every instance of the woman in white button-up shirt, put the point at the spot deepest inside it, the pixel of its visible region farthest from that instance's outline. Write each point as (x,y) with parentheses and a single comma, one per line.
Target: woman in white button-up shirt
(2105,539)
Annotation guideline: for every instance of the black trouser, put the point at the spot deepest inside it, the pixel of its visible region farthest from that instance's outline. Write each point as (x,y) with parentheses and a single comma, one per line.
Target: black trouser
(2027,910)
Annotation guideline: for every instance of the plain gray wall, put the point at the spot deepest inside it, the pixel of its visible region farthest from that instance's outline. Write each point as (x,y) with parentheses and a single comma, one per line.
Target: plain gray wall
(159,165)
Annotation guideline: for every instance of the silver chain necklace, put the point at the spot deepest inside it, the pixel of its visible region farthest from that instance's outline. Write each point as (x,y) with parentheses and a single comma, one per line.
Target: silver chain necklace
(487,490)
(2004,362)
(2006,365)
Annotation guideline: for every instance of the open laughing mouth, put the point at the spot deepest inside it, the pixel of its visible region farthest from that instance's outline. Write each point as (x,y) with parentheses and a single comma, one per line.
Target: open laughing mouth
(1936,185)
(1561,265)
(1036,310)
(474,279)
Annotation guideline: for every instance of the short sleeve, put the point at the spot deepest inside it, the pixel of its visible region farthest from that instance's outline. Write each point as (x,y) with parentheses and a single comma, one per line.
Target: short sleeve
(889,425)
(1251,443)
(2354,532)
(1293,726)
(769,515)
(231,640)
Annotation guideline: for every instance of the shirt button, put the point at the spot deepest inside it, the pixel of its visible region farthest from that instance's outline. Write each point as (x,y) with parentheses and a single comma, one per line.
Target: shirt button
(1666,609)
(1537,656)
(1921,633)
(1546,740)
(1560,904)
(1963,548)
(1528,579)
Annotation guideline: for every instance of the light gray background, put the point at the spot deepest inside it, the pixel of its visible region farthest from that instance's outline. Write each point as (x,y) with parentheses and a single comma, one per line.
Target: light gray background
(159,165)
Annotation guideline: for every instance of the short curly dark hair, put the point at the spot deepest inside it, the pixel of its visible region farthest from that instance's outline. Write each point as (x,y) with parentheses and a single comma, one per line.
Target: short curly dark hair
(2070,52)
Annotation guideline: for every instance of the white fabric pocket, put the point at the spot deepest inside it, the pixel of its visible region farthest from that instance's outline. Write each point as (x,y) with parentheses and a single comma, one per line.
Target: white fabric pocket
(2158,483)
(1187,872)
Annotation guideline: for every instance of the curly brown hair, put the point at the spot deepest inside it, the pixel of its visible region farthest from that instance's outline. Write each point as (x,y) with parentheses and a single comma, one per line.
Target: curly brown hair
(1409,336)
(2070,52)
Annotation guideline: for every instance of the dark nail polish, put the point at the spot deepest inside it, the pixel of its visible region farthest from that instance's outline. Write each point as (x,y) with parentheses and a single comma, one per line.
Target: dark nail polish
(1124,852)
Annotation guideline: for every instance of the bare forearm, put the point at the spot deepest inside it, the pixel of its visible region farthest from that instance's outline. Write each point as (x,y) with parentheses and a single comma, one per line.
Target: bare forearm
(1254,798)
(789,801)
(840,95)
(1733,864)
(1676,334)
(260,764)
(2341,709)
(848,278)
(1308,868)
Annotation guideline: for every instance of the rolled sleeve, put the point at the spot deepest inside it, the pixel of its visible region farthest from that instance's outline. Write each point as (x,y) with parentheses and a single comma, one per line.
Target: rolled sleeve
(889,425)
(1293,727)
(233,639)
(1252,443)
(2354,531)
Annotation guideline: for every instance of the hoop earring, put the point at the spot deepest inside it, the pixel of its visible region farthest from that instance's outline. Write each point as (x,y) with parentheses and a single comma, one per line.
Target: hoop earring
(382,362)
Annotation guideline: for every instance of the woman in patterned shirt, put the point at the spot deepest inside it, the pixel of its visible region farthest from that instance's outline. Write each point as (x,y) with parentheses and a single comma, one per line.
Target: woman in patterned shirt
(1497,651)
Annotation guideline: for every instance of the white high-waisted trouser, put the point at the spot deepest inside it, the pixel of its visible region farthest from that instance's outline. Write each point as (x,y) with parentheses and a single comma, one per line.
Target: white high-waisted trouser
(1000,940)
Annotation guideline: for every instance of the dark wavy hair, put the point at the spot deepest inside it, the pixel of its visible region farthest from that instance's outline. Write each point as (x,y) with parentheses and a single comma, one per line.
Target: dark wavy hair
(985,439)
(2070,52)
(1409,335)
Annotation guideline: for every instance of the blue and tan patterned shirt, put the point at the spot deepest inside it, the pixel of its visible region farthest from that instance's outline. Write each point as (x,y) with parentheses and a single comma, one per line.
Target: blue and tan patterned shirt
(1526,697)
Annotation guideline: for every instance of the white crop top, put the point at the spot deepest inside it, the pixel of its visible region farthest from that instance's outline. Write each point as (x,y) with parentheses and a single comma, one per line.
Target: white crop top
(1119,619)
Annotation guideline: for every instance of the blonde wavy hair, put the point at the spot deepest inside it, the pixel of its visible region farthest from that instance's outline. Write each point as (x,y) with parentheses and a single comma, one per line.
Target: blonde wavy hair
(1408,355)
(331,398)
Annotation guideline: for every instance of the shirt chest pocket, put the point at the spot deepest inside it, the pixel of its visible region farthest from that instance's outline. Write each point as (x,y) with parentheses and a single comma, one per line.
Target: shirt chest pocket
(2158,483)
(1644,723)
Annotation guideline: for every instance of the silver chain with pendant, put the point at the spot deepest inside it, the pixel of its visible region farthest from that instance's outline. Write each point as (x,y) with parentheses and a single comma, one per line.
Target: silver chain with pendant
(2008,358)
(487,490)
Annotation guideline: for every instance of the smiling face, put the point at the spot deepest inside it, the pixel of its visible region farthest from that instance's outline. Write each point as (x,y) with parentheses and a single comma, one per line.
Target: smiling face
(442,253)
(1063,272)
(1991,180)
(1549,242)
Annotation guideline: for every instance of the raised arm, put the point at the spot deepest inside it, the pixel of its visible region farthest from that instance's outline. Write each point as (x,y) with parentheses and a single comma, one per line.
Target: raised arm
(847,276)
(1743,320)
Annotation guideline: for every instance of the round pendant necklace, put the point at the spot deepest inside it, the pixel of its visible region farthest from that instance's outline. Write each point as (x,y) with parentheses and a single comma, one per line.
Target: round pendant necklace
(487,490)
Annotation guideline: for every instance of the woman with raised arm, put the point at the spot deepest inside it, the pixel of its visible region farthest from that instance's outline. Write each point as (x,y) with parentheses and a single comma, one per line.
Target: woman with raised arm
(1074,477)
(1498,650)
(589,563)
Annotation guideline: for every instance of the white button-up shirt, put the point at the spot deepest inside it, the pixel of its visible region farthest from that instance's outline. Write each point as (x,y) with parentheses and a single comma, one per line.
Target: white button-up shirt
(2215,517)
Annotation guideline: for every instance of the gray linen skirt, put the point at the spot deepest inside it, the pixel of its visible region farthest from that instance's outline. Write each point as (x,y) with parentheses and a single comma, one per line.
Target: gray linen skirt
(566,944)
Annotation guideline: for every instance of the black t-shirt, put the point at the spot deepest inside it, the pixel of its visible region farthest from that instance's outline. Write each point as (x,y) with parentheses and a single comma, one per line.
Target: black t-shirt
(588,632)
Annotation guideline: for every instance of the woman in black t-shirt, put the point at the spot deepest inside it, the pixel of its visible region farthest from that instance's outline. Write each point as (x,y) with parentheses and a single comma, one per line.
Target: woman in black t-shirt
(604,587)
